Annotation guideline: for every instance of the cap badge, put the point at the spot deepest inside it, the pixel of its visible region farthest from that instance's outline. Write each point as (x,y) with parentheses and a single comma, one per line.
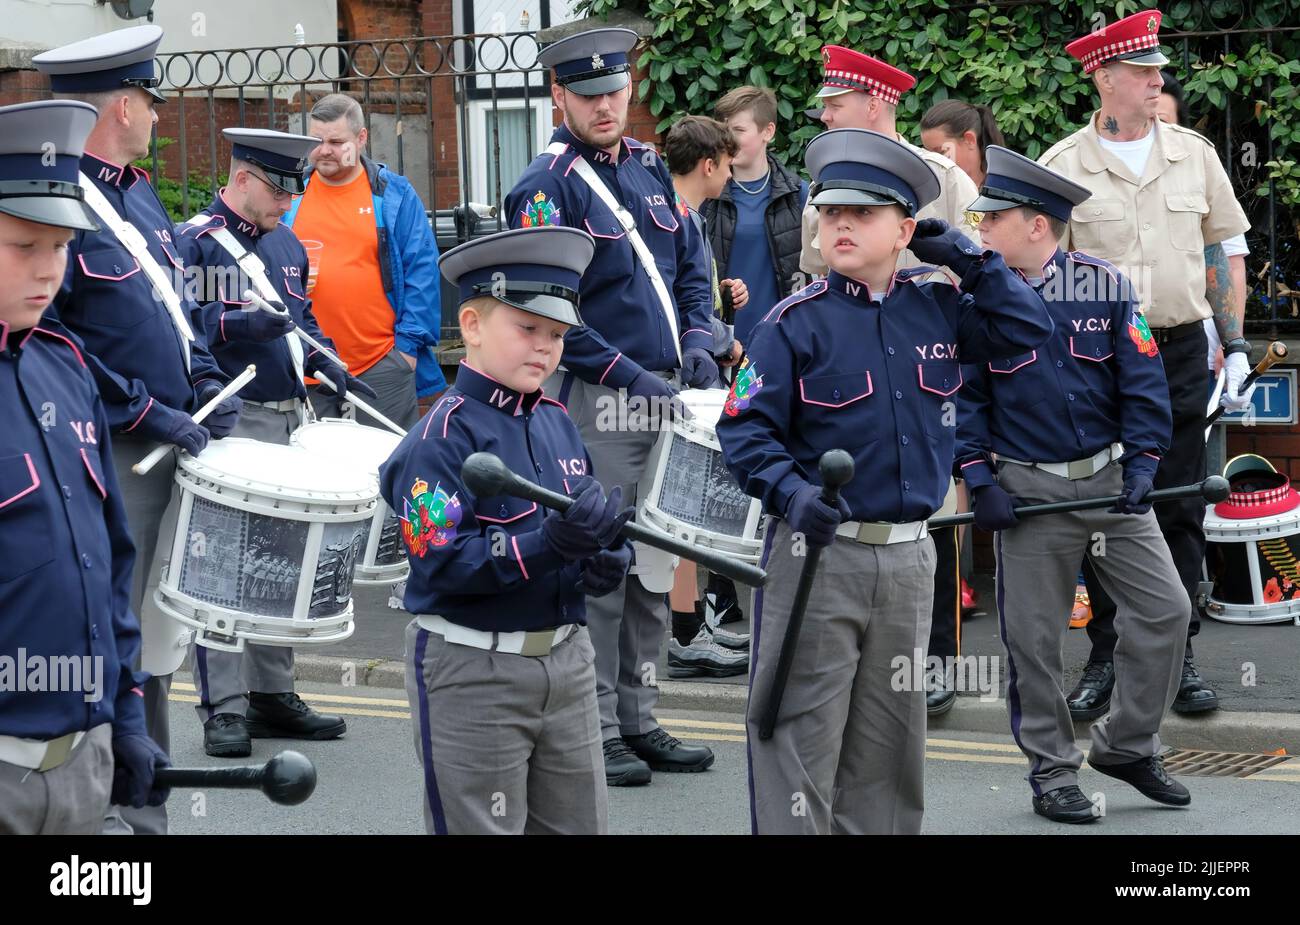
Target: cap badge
(597,61)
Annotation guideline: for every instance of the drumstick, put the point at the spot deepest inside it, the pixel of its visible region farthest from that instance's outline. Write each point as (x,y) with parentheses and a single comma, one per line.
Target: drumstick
(352,397)
(1219,382)
(485,474)
(1276,353)
(288,779)
(306,338)
(1214,488)
(158,452)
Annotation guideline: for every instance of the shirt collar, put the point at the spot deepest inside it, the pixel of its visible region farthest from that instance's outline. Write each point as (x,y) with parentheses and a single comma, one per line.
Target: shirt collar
(242,227)
(857,289)
(590,154)
(106,173)
(1051,267)
(482,387)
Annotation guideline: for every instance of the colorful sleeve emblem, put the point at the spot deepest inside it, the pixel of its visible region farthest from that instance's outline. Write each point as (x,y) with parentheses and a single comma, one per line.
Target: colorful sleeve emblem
(540,212)
(429,518)
(1140,334)
(680,203)
(743,389)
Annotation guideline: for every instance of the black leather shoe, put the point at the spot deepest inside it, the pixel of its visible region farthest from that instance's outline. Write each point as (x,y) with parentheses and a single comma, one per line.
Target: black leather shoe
(1091,696)
(622,767)
(664,752)
(1149,777)
(1194,695)
(1066,804)
(226,736)
(285,716)
(939,701)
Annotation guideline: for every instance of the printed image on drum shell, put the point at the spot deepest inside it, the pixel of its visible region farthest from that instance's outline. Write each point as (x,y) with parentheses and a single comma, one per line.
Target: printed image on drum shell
(342,546)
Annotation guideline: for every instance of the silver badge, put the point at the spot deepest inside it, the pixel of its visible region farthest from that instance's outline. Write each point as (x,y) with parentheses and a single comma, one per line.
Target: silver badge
(597,61)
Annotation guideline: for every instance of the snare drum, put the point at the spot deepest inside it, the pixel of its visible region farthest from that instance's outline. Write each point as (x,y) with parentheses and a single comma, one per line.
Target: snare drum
(1253,547)
(383,560)
(687,491)
(267,540)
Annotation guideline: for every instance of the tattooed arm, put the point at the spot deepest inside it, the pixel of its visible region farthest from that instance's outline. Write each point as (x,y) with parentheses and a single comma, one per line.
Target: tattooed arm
(1225,293)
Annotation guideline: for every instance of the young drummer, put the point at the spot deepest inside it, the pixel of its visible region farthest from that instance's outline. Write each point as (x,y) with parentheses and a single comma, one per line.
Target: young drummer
(867,360)
(65,551)
(1085,415)
(500,668)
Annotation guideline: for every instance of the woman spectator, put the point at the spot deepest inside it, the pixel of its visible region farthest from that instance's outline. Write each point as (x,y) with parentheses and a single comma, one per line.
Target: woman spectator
(961,132)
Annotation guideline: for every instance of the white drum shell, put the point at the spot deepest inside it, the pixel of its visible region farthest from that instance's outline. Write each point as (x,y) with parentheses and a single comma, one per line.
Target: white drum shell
(1256,541)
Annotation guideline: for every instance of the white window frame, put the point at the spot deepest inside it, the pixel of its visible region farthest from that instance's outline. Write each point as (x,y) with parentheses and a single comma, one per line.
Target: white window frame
(478,112)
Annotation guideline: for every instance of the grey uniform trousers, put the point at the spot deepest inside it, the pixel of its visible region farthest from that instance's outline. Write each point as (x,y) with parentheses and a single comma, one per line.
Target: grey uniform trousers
(145,498)
(628,625)
(848,752)
(1038,563)
(509,744)
(68,800)
(223,679)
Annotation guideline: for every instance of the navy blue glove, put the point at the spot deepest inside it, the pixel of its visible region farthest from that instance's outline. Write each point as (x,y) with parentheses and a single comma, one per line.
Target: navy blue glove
(1137,485)
(649,386)
(591,523)
(604,572)
(343,380)
(167,425)
(808,514)
(699,370)
(994,508)
(934,241)
(135,758)
(223,418)
(256,326)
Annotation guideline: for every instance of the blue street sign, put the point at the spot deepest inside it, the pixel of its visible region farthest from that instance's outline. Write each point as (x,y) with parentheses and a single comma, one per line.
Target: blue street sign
(1274,401)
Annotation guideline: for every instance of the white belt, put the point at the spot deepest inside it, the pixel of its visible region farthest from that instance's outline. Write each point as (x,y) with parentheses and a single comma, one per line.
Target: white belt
(536,643)
(1079,468)
(39,754)
(873,533)
(289,404)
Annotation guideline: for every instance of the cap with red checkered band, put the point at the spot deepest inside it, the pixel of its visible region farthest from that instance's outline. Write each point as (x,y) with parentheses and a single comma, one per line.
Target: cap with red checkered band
(845,70)
(1134,40)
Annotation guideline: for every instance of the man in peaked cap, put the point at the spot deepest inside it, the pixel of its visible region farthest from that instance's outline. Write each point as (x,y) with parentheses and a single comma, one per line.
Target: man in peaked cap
(65,553)
(1161,207)
(867,360)
(647,301)
(499,662)
(123,297)
(1084,415)
(859,91)
(238,243)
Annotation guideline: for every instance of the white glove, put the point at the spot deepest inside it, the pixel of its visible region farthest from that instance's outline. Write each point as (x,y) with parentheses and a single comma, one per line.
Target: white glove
(1237,368)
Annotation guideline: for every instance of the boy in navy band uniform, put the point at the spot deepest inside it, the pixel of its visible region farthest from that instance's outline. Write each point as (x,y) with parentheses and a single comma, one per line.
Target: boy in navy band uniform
(65,552)
(868,361)
(500,668)
(1085,415)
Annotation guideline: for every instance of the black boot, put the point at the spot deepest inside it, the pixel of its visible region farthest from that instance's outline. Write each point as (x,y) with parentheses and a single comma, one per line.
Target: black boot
(1194,695)
(226,736)
(285,716)
(664,752)
(622,767)
(1091,696)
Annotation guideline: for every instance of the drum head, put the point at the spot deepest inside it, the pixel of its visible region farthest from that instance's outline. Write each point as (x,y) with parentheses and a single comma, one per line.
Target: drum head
(278,471)
(347,442)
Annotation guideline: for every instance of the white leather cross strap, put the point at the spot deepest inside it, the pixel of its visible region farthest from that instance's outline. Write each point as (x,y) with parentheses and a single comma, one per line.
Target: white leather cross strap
(255,270)
(644,255)
(138,247)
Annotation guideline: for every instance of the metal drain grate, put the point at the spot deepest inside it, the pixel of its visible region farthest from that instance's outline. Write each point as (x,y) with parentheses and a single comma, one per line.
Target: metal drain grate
(1196,763)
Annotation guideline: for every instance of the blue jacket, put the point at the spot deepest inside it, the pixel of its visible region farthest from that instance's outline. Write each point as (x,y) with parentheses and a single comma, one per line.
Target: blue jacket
(831,367)
(626,330)
(132,345)
(408,265)
(286,269)
(1096,381)
(484,562)
(65,551)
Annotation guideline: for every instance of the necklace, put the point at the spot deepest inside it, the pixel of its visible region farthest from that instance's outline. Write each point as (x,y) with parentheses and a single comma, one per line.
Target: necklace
(767,177)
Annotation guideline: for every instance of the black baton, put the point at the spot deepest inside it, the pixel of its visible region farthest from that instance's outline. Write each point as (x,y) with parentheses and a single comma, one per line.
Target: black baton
(289,778)
(836,467)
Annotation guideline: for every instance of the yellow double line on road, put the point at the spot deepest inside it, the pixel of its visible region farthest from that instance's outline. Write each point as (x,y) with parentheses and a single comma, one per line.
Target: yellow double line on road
(717,731)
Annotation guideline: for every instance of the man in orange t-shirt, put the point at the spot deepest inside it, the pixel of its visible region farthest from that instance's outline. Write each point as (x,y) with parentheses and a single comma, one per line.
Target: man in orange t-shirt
(377,289)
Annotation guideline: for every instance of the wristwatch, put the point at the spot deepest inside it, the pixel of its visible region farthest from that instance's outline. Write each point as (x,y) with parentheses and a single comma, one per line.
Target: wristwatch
(1236,345)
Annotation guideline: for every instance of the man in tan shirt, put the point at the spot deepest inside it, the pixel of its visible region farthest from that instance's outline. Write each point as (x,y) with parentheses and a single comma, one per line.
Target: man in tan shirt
(1161,205)
(863,92)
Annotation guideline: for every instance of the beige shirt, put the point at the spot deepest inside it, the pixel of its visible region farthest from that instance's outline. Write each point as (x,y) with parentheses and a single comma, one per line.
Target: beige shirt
(1154,228)
(956,192)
